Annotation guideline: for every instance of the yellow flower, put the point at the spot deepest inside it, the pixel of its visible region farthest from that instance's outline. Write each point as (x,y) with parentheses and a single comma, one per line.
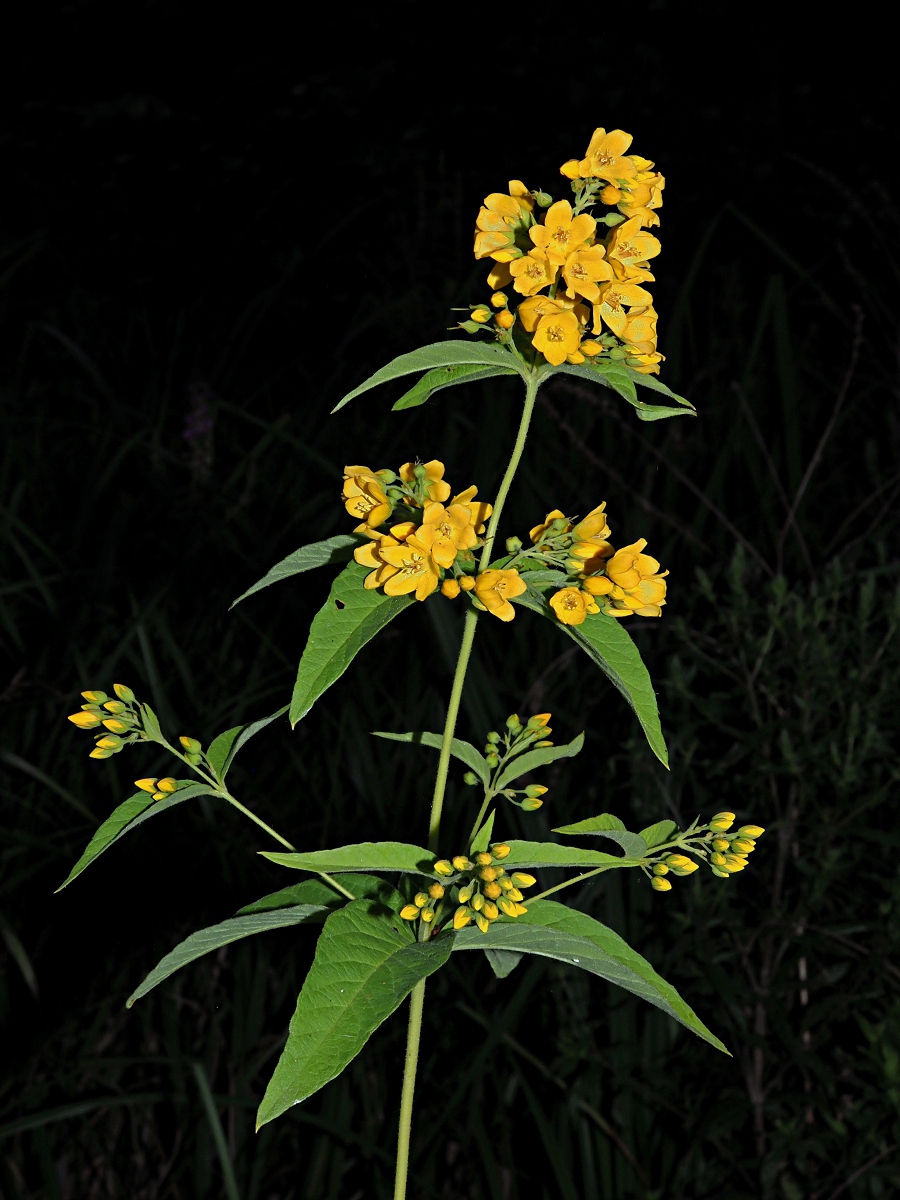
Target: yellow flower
(641,196)
(628,249)
(416,571)
(615,298)
(445,531)
(497,222)
(531,310)
(582,271)
(450,589)
(572,605)
(364,496)
(604,158)
(557,337)
(495,589)
(499,276)
(639,333)
(630,565)
(632,583)
(533,272)
(562,233)
(553,515)
(645,364)
(506,319)
(478,511)
(370,556)
(591,549)
(436,488)
(594,525)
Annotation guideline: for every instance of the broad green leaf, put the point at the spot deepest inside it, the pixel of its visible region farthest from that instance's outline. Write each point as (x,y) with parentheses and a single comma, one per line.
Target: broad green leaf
(204,941)
(606,825)
(337,549)
(551,854)
(556,931)
(609,646)
(351,616)
(128,816)
(222,749)
(464,751)
(316,891)
(538,758)
(483,836)
(439,354)
(364,856)
(503,962)
(366,964)
(655,835)
(444,377)
(656,385)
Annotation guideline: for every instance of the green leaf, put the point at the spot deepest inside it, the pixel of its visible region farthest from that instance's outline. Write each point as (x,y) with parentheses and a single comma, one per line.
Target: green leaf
(503,962)
(128,816)
(538,758)
(551,854)
(366,964)
(622,380)
(204,941)
(337,549)
(555,931)
(656,385)
(444,377)
(222,750)
(364,856)
(316,891)
(609,646)
(606,825)
(464,751)
(483,836)
(655,835)
(350,617)
(439,354)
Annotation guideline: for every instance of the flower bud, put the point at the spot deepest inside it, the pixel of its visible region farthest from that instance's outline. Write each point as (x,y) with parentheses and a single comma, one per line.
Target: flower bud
(450,588)
(117,725)
(543,199)
(720,871)
(146,785)
(744,845)
(488,874)
(95,697)
(465,893)
(520,879)
(680,864)
(506,883)
(116,707)
(590,348)
(506,319)
(513,545)
(513,724)
(111,743)
(420,899)
(542,745)
(167,785)
(461,918)
(611,194)
(515,894)
(481,315)
(659,884)
(427,914)
(493,890)
(499,300)
(500,850)
(531,805)
(409,912)
(721,844)
(124,693)
(482,922)
(443,867)
(191,745)
(521,910)
(722,822)
(751,831)
(101,753)
(734,864)
(717,859)
(490,910)
(660,869)
(467,583)
(493,737)
(483,858)
(436,891)
(478,902)
(84,720)
(508,907)
(461,863)
(536,789)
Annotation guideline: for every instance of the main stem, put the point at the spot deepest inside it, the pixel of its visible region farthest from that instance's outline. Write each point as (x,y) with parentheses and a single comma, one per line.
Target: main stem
(417,999)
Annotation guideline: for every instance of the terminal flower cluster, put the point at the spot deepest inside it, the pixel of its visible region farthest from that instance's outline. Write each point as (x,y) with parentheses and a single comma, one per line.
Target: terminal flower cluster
(480,888)
(725,853)
(581,281)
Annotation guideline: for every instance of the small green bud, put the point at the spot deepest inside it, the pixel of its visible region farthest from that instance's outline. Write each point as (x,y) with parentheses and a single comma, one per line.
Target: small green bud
(513,545)
(542,745)
(513,724)
(124,693)
(531,805)
(493,736)
(419,472)
(191,745)
(95,697)
(542,199)
(470,778)
(660,869)
(534,790)
(116,707)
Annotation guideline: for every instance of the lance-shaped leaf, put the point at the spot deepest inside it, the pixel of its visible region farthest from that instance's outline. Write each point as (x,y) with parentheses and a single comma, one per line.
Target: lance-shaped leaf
(555,931)
(131,813)
(656,385)
(482,838)
(538,758)
(363,856)
(350,617)
(551,854)
(222,750)
(622,380)
(444,377)
(438,354)
(655,835)
(317,891)
(337,549)
(464,751)
(365,965)
(204,941)
(609,646)
(608,826)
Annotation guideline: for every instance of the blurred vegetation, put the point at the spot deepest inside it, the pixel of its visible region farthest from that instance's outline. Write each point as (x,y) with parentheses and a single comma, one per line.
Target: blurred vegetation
(176,323)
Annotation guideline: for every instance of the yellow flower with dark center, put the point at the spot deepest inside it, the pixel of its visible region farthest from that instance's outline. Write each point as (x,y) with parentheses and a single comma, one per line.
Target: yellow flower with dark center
(572,605)
(479,510)
(533,272)
(629,248)
(557,337)
(445,531)
(615,300)
(364,496)
(604,158)
(416,571)
(436,488)
(495,589)
(562,233)
(583,271)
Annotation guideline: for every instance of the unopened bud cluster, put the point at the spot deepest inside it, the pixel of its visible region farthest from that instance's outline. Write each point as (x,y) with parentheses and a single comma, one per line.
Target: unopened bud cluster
(118,720)
(500,748)
(479,887)
(726,852)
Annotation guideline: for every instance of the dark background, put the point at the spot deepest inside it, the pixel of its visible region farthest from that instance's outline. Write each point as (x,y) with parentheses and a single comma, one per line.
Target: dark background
(211,227)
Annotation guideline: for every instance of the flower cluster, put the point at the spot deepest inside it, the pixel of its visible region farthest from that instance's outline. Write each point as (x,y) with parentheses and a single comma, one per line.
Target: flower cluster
(583,295)
(479,887)
(119,720)
(501,749)
(432,542)
(725,853)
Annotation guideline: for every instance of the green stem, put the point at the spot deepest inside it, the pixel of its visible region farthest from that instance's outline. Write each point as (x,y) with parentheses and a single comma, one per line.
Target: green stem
(567,883)
(416,1004)
(531,390)
(459,678)
(488,798)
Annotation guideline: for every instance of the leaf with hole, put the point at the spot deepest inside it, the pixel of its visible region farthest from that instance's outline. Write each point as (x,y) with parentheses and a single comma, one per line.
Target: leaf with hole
(366,964)
(569,936)
(438,354)
(444,377)
(362,856)
(350,617)
(533,759)
(337,549)
(464,751)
